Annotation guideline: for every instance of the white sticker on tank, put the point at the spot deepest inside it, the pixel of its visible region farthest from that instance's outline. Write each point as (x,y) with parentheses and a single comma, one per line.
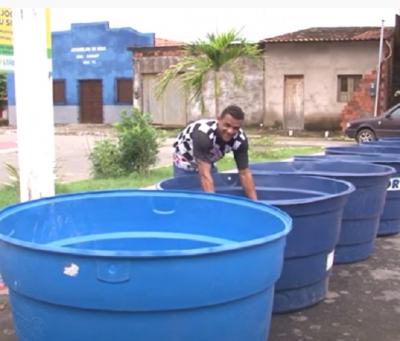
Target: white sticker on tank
(329,260)
(71,270)
(394,184)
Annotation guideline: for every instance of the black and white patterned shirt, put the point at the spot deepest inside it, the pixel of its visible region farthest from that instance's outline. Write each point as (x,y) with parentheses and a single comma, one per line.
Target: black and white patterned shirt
(200,141)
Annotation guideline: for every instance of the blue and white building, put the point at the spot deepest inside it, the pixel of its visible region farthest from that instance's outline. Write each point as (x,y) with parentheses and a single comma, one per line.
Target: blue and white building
(92,73)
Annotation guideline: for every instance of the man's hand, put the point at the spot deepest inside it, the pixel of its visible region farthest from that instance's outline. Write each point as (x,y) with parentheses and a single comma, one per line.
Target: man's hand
(206,180)
(246,179)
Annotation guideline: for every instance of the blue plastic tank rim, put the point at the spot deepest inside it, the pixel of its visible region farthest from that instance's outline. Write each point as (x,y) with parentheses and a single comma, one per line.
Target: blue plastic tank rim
(140,234)
(369,158)
(388,170)
(282,216)
(317,198)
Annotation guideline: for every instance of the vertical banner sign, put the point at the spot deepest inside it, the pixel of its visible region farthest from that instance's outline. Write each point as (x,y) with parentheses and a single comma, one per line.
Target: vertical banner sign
(48,34)
(6,40)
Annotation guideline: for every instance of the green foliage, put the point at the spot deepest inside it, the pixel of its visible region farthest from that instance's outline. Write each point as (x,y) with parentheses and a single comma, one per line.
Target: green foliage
(204,56)
(137,141)
(105,159)
(223,48)
(3,85)
(135,150)
(13,175)
(8,196)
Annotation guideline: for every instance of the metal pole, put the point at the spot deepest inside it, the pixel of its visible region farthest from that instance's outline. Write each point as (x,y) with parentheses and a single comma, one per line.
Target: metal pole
(378,71)
(34,103)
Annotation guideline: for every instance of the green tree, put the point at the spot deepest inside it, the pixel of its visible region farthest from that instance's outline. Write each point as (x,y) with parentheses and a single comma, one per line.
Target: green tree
(202,57)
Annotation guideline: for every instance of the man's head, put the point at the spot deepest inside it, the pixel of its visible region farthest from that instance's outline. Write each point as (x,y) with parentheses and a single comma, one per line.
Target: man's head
(229,122)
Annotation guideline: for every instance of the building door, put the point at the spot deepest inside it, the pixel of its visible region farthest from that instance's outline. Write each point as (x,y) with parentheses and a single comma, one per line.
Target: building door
(293,117)
(91,101)
(170,109)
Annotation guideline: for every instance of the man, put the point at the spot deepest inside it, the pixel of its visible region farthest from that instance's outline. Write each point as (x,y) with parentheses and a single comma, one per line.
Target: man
(205,141)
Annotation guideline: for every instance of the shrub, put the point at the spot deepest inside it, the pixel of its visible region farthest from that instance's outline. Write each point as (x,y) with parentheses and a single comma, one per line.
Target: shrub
(137,141)
(135,150)
(105,159)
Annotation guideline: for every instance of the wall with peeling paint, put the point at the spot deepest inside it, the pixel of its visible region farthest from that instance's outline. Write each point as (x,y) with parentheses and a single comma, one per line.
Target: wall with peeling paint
(320,64)
(249,95)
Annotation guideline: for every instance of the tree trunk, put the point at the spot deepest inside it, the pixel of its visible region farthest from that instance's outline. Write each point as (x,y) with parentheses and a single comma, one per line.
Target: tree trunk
(216,93)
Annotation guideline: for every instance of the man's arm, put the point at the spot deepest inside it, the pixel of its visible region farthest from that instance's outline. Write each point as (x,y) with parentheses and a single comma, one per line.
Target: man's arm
(242,163)
(246,179)
(206,180)
(201,147)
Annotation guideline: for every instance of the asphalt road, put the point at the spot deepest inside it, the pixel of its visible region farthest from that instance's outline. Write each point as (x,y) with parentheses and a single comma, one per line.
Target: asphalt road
(71,157)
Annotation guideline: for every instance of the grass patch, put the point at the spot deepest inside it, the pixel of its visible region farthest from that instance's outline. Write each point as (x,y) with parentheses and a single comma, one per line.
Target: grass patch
(131,181)
(8,194)
(270,154)
(168,132)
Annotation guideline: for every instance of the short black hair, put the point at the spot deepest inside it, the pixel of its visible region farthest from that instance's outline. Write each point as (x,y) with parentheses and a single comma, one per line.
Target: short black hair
(235,111)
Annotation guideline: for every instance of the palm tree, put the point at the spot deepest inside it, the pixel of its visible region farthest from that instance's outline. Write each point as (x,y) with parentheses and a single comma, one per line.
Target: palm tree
(202,57)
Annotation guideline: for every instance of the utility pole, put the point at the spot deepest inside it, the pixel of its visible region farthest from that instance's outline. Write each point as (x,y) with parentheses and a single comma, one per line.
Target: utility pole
(378,71)
(34,102)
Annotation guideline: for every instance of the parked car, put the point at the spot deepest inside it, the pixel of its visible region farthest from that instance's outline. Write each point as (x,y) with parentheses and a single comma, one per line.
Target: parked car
(372,128)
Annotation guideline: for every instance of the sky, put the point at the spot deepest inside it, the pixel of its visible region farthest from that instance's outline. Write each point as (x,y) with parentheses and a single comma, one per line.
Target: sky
(190,24)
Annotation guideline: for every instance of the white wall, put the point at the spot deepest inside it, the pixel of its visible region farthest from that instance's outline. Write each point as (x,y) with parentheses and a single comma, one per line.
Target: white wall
(111,112)
(248,95)
(12,115)
(320,63)
(66,114)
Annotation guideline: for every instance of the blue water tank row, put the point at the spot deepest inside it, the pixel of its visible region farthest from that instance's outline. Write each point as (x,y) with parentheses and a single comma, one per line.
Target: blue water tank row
(385,152)
(185,265)
(320,237)
(390,218)
(362,213)
(316,207)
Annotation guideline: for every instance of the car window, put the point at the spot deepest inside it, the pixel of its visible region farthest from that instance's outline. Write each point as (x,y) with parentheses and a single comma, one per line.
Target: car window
(396,113)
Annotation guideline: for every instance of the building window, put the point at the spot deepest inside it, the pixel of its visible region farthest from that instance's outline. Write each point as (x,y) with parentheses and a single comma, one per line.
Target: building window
(347,84)
(124,91)
(59,91)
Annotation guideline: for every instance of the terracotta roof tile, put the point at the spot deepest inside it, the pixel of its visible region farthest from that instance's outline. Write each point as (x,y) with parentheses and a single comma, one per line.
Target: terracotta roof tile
(319,34)
(166,42)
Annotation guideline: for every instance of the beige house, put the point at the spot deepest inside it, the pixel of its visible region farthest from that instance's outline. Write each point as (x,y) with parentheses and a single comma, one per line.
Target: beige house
(304,79)
(310,75)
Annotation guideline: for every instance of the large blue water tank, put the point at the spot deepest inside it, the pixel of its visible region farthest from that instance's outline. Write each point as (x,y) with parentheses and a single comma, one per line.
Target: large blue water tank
(142,265)
(316,206)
